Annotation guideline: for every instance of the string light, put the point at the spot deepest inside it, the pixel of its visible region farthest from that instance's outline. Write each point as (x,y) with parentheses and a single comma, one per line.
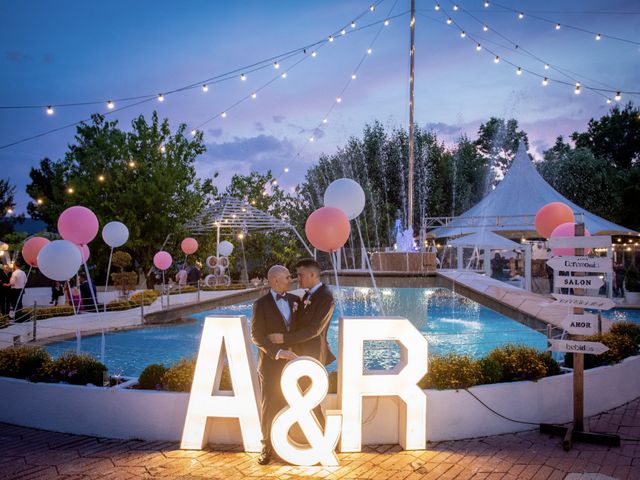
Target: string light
(598,36)
(497,59)
(284,75)
(160,97)
(546,66)
(223,114)
(254,95)
(372,7)
(608,100)
(101,178)
(243,77)
(386,23)
(343,32)
(449,21)
(463,34)
(339,99)
(455,8)
(353,24)
(314,54)
(618,96)
(286,169)
(49,110)
(545,82)
(353,76)
(521,15)
(485,28)
(9,211)
(132,164)
(486,4)
(324,120)
(274,182)
(577,90)
(70,190)
(557,26)
(369,51)
(276,65)
(110,105)
(163,149)
(205,88)
(519,71)
(193,132)
(478,47)
(39,201)
(437,7)
(311,139)
(331,38)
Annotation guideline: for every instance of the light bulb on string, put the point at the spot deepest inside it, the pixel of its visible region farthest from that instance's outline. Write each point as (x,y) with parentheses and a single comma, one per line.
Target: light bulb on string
(193,132)
(311,139)
(449,21)
(49,110)
(485,28)
(486,4)
(223,114)
(343,32)
(557,26)
(372,7)
(338,100)
(254,95)
(353,77)
(608,100)
(369,51)
(39,201)
(545,82)
(163,149)
(598,36)
(331,38)
(274,182)
(546,66)
(284,75)
(243,77)
(205,88)
(276,65)
(618,96)
(478,47)
(286,169)
(160,97)
(9,211)
(463,34)
(455,8)
(110,105)
(132,164)
(519,71)
(101,178)
(386,23)
(437,7)
(324,120)
(353,24)
(521,15)
(577,89)
(497,59)
(70,190)
(314,54)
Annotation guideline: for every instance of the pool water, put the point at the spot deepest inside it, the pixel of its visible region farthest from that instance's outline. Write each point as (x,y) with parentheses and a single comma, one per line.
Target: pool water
(450,322)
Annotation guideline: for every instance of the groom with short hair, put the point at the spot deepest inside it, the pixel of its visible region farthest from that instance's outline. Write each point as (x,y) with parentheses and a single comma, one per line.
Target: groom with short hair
(272,313)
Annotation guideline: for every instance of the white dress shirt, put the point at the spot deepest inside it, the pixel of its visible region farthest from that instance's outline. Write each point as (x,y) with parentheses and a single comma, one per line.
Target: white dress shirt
(18,279)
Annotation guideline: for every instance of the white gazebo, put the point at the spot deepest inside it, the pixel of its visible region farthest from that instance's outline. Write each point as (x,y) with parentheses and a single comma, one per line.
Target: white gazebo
(487,241)
(233,213)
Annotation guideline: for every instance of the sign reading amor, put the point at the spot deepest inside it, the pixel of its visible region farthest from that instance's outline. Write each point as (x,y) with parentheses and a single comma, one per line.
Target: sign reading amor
(354,383)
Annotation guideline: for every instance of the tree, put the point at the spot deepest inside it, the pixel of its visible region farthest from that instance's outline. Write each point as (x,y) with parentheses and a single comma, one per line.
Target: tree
(7,204)
(614,137)
(144,178)
(498,143)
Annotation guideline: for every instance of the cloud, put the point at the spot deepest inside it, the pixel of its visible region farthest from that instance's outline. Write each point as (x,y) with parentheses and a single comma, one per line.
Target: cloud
(243,155)
(278,118)
(17,56)
(259,126)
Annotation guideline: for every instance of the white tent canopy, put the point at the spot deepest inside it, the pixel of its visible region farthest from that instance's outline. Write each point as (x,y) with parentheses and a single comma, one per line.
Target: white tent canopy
(487,241)
(513,204)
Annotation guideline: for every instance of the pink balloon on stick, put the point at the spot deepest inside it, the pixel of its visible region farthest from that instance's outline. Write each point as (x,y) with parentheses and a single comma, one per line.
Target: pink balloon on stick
(552,215)
(31,249)
(162,260)
(327,229)
(189,245)
(567,230)
(84,251)
(78,224)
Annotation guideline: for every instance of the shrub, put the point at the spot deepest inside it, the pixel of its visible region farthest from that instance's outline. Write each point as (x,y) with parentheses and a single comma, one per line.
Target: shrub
(491,369)
(31,363)
(179,376)
(115,305)
(151,377)
(185,289)
(627,329)
(632,279)
(149,296)
(620,347)
(519,362)
(451,371)
(78,369)
(48,312)
(125,281)
(553,367)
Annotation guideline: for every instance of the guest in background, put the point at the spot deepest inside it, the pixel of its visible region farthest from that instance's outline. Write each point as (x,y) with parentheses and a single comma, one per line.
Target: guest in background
(17,281)
(5,289)
(85,292)
(56,293)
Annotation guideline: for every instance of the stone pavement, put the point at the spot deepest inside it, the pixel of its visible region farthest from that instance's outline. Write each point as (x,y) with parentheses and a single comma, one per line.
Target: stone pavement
(27,453)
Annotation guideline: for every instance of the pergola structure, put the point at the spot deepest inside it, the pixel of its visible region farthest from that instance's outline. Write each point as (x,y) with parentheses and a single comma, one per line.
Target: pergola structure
(233,213)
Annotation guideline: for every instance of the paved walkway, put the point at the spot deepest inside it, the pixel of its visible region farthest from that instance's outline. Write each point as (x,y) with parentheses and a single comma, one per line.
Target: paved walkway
(35,454)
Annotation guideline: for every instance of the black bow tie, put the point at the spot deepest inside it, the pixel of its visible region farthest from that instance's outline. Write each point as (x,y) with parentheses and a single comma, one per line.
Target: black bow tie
(280,297)
(306,295)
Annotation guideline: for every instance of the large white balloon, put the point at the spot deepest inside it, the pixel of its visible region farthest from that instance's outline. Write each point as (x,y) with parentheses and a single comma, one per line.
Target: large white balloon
(225,248)
(115,234)
(59,260)
(347,195)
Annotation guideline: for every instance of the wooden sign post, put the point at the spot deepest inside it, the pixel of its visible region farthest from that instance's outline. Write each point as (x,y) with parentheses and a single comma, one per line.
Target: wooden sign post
(580,323)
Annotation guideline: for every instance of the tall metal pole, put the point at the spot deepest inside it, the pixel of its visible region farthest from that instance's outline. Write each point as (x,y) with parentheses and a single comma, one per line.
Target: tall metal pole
(411,78)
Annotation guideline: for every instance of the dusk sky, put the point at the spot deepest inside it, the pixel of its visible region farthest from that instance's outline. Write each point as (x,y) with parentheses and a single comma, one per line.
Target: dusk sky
(65,52)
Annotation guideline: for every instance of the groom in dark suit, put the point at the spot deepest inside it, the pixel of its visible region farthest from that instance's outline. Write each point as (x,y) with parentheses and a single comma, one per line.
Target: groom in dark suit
(272,313)
(308,336)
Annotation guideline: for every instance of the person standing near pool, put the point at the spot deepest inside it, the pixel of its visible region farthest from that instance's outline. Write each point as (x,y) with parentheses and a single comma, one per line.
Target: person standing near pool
(311,322)
(272,313)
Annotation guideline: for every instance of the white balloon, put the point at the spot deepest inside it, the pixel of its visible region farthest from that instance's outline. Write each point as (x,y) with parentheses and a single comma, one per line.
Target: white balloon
(115,234)
(347,195)
(225,248)
(59,260)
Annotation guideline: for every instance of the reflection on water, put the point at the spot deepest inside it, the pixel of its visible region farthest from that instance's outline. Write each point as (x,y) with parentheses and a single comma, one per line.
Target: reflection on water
(450,322)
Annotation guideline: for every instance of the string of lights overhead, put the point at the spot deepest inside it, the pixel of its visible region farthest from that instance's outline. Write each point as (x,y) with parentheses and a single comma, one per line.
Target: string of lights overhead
(241,73)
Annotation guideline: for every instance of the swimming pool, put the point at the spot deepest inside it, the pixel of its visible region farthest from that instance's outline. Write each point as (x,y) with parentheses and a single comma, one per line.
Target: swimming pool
(450,322)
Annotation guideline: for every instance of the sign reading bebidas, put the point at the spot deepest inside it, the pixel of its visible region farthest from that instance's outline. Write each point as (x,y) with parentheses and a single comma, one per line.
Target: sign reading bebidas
(571,346)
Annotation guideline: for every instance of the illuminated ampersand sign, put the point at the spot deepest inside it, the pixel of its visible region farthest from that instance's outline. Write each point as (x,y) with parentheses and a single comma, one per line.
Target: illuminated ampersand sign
(322,446)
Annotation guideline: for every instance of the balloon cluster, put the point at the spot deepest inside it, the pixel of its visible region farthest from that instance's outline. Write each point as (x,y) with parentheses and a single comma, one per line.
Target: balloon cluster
(61,259)
(328,227)
(556,219)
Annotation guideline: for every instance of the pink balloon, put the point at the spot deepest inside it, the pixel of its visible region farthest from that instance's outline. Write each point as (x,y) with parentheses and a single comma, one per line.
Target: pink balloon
(162,260)
(567,230)
(189,245)
(78,224)
(327,229)
(552,215)
(31,249)
(84,251)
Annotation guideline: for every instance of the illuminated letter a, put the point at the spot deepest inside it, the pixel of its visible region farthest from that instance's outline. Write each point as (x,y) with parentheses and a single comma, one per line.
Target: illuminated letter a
(233,333)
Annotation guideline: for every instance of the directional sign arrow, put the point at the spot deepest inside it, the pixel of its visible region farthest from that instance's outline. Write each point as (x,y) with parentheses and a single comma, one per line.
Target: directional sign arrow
(596,303)
(599,241)
(591,282)
(586,324)
(571,346)
(581,264)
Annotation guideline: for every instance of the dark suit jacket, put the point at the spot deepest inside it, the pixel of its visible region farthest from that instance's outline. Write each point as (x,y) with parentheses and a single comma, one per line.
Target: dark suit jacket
(267,319)
(309,333)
